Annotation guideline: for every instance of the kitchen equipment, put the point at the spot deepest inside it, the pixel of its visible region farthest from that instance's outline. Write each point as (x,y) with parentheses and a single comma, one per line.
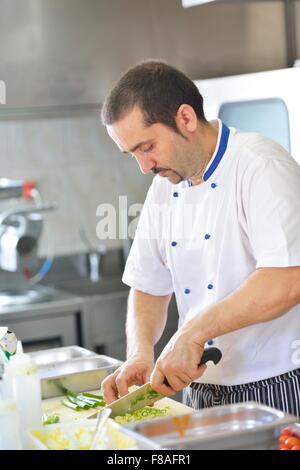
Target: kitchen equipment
(20,230)
(21,226)
(8,342)
(78,435)
(239,426)
(9,418)
(264,102)
(22,371)
(57,355)
(145,395)
(14,297)
(102,417)
(79,375)
(54,406)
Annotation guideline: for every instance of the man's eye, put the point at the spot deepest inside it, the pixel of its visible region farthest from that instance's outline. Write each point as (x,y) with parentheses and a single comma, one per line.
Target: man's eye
(147,149)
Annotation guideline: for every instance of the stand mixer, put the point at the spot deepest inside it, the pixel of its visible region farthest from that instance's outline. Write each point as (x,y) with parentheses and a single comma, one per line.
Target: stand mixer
(21,226)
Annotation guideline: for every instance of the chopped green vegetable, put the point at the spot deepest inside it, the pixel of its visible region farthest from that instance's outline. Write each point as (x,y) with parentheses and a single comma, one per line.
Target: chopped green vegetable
(71,405)
(83,401)
(91,395)
(153,394)
(137,399)
(142,414)
(50,419)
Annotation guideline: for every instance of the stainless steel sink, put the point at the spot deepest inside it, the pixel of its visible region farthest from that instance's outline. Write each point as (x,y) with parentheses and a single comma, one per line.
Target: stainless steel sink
(11,297)
(85,287)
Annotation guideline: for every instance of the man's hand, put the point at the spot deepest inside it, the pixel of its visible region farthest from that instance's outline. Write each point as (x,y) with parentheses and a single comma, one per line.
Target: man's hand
(178,363)
(136,370)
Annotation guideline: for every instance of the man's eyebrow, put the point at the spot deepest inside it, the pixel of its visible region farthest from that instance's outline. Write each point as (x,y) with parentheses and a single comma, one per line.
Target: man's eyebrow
(135,147)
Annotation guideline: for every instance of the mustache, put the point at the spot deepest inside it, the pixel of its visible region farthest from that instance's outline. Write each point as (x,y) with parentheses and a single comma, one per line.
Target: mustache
(157,170)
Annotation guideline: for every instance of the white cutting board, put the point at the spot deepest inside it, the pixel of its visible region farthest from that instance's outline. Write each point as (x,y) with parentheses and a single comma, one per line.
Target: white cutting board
(54,406)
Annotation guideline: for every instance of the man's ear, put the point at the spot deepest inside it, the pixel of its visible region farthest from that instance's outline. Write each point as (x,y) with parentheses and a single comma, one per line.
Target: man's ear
(186,119)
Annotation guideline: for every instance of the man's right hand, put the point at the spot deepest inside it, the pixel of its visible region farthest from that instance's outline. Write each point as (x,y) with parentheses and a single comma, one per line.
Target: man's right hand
(136,370)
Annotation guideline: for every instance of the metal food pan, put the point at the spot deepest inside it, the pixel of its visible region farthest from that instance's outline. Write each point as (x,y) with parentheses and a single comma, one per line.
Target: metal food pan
(77,375)
(56,355)
(240,426)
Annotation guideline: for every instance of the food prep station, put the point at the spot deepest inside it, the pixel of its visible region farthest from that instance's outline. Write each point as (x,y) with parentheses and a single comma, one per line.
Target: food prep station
(238,426)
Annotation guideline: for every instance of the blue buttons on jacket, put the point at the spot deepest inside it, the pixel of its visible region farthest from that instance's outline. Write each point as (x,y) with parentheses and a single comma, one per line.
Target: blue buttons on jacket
(187,291)
(207,236)
(210,286)
(174,243)
(213,185)
(175,194)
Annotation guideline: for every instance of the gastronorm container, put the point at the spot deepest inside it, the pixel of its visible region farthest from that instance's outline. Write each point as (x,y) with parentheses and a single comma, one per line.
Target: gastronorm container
(78,435)
(78,375)
(239,426)
(55,355)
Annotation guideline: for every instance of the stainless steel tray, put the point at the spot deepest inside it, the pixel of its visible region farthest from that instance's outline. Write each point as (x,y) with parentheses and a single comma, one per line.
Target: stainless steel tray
(240,426)
(56,355)
(78,375)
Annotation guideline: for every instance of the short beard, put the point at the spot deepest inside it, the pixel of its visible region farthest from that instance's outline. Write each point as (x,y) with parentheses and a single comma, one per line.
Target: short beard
(157,170)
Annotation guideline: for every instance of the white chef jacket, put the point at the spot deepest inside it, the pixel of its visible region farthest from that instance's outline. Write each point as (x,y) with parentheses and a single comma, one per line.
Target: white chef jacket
(201,242)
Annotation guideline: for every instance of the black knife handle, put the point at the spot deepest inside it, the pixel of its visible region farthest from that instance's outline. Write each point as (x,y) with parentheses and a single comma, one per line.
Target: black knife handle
(209,354)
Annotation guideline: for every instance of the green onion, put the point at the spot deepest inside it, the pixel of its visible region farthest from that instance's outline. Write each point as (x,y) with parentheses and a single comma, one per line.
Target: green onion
(71,405)
(83,401)
(50,419)
(141,414)
(91,395)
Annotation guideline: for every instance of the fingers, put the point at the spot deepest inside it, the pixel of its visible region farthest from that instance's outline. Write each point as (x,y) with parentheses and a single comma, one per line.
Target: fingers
(176,379)
(116,385)
(157,379)
(201,370)
(123,382)
(109,388)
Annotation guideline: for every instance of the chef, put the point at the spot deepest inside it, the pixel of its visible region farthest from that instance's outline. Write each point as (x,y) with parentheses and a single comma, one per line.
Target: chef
(220,228)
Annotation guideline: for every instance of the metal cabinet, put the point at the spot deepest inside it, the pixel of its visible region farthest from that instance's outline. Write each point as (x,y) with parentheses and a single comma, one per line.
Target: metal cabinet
(105,320)
(43,333)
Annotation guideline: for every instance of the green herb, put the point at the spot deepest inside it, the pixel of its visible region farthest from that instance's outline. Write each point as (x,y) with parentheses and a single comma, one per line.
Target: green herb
(142,414)
(50,419)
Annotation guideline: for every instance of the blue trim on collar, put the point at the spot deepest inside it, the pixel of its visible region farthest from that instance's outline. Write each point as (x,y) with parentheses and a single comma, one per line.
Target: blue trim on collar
(221,150)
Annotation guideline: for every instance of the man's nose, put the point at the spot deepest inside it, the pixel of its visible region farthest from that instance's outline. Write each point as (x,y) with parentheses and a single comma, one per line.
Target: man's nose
(145,163)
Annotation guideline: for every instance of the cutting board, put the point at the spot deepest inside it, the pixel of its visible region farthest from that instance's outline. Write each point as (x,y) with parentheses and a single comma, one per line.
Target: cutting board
(55,406)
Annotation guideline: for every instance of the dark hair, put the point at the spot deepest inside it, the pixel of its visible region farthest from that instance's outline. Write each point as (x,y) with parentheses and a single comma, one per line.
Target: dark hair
(158,89)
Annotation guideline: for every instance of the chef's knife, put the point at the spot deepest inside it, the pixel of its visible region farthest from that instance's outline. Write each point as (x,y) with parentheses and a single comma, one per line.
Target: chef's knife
(145,395)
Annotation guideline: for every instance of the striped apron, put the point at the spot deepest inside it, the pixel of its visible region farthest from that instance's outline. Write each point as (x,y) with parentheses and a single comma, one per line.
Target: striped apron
(281,392)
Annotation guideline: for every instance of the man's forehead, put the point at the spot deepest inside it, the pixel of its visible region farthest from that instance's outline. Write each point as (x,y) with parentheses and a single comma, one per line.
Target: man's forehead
(128,131)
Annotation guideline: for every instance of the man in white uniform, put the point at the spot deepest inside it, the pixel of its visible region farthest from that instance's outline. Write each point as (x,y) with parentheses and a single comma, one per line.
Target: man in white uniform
(220,228)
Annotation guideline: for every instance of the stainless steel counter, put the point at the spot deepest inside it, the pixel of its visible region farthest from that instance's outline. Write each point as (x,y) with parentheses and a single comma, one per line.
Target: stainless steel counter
(54,319)
(54,300)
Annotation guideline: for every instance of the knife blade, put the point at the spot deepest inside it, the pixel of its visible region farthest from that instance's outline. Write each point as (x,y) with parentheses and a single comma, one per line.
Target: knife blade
(146,396)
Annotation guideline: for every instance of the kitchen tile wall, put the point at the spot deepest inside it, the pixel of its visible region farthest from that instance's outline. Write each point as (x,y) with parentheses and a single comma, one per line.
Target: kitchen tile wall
(74,163)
